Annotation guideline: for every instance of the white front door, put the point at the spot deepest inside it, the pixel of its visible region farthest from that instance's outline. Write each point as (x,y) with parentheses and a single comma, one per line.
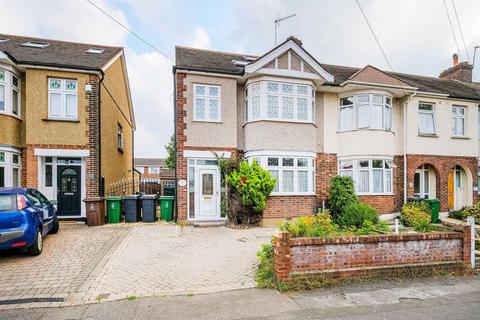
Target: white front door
(459,193)
(207,194)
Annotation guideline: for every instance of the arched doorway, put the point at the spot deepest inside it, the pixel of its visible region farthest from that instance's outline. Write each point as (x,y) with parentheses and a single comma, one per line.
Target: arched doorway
(459,188)
(425,182)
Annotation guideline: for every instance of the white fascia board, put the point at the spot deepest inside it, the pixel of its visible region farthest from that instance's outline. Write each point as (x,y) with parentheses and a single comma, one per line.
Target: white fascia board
(373,84)
(290,45)
(206,154)
(259,153)
(290,74)
(62,153)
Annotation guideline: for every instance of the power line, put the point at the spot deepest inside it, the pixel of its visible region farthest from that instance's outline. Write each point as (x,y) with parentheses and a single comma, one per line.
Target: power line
(131,31)
(461,32)
(453,31)
(374,36)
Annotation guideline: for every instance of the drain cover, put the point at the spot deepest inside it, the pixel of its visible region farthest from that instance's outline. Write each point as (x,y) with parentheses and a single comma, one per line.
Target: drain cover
(31,300)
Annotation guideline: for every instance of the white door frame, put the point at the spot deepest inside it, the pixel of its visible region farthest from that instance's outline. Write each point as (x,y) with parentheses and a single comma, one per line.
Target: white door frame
(192,163)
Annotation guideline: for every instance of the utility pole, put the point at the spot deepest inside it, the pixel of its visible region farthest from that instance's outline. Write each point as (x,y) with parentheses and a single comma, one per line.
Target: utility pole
(277,24)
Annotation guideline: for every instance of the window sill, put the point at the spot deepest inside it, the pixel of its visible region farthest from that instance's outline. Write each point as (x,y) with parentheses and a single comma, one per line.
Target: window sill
(375,194)
(428,135)
(281,121)
(460,137)
(291,194)
(3,113)
(120,150)
(62,120)
(207,121)
(366,129)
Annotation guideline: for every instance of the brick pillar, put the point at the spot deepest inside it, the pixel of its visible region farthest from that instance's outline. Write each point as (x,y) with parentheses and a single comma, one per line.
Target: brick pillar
(29,167)
(93,134)
(326,168)
(467,245)
(182,167)
(281,256)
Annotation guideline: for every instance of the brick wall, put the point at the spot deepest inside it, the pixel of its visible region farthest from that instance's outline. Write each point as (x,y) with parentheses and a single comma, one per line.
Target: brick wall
(309,257)
(289,206)
(326,168)
(93,133)
(442,166)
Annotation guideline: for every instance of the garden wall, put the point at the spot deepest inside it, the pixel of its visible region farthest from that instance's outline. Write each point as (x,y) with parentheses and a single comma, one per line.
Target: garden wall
(308,258)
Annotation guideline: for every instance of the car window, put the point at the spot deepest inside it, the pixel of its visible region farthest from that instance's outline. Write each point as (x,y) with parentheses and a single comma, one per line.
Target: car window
(41,197)
(34,201)
(8,203)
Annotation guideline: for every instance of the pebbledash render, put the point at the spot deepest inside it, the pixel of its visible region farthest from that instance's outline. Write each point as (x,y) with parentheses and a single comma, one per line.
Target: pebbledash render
(397,135)
(66,119)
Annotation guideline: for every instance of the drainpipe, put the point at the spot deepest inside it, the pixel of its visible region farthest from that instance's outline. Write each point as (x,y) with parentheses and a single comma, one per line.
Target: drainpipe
(174,71)
(405,105)
(101,187)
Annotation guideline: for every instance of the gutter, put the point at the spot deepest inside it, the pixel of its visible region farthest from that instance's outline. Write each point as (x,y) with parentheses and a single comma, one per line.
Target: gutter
(174,72)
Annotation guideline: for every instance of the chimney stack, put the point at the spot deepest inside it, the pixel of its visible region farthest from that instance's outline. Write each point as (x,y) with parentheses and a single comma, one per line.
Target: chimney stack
(459,71)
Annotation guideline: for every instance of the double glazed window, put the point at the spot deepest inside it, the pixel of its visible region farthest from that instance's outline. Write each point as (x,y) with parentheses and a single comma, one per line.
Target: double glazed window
(206,103)
(458,121)
(9,169)
(371,176)
(295,175)
(426,118)
(62,99)
(271,100)
(9,93)
(120,137)
(365,111)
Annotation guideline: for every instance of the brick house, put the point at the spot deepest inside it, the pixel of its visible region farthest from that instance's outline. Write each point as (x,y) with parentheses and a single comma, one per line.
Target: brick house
(397,135)
(155,169)
(65,116)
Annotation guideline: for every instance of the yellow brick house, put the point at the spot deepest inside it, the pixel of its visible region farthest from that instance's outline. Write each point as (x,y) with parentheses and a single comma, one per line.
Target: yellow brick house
(66,119)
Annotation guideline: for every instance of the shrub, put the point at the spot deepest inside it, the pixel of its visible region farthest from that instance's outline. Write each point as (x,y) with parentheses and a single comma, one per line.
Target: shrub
(467,211)
(265,274)
(340,195)
(423,226)
(355,214)
(253,183)
(368,228)
(319,226)
(414,213)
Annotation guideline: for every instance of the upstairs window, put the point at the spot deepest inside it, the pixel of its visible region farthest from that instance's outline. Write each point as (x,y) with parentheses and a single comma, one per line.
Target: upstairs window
(365,111)
(120,137)
(206,103)
(271,100)
(15,95)
(9,93)
(458,120)
(426,118)
(154,170)
(2,90)
(62,99)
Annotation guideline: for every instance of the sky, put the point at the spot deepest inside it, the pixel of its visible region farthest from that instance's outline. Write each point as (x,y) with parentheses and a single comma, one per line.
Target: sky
(415,35)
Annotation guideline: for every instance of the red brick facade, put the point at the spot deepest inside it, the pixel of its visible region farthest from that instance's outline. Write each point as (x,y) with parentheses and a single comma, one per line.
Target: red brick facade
(289,206)
(306,258)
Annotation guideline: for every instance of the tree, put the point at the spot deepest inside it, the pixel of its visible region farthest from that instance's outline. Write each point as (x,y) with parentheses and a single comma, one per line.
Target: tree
(170,147)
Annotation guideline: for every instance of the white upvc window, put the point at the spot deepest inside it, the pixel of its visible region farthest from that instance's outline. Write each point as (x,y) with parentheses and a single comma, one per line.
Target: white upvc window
(9,93)
(119,137)
(154,170)
(458,120)
(140,169)
(365,111)
(426,118)
(62,99)
(10,168)
(279,101)
(295,174)
(371,176)
(206,103)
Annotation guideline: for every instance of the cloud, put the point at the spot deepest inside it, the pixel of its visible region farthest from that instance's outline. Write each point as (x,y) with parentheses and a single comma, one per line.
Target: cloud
(199,39)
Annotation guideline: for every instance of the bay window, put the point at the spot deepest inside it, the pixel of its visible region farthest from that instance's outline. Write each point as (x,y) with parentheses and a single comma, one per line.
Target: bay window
(426,118)
(271,100)
(458,121)
(10,167)
(295,174)
(9,93)
(365,111)
(62,99)
(371,176)
(206,103)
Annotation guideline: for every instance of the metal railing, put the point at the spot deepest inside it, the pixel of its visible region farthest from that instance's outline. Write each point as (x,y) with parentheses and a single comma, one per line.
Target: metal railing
(133,186)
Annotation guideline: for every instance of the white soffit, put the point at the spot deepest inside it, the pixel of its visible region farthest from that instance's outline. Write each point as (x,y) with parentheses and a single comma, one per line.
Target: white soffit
(289,45)
(62,153)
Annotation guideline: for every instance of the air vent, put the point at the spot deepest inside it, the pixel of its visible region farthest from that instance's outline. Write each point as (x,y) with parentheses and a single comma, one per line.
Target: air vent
(95,50)
(34,44)
(239,63)
(3,40)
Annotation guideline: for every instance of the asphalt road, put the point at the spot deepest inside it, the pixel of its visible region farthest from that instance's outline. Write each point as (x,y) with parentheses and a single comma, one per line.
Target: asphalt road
(442,298)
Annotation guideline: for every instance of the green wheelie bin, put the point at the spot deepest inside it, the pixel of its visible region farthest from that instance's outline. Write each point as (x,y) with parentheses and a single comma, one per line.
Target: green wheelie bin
(434,208)
(114,209)
(166,205)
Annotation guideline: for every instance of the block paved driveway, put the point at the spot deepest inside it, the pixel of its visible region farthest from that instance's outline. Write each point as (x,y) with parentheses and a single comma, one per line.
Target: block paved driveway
(83,265)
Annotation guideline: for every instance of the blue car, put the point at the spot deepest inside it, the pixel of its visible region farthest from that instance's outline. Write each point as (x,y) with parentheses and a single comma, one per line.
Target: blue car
(26,216)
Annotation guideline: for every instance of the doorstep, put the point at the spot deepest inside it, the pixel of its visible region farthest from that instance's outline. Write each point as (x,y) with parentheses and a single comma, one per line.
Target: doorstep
(208,223)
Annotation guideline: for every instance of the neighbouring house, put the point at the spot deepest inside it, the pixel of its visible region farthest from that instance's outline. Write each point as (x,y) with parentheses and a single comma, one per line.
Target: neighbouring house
(397,135)
(66,119)
(155,169)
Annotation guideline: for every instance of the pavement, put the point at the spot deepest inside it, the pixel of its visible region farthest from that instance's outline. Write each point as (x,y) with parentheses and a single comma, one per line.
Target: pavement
(435,298)
(84,265)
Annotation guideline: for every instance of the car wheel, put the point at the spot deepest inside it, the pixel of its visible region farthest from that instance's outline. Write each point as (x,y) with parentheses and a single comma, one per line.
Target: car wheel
(37,246)
(56,226)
